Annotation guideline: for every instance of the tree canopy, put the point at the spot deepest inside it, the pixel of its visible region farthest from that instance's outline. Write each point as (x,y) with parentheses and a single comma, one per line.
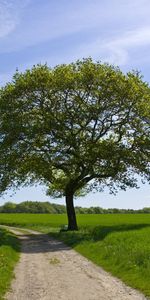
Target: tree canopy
(74,128)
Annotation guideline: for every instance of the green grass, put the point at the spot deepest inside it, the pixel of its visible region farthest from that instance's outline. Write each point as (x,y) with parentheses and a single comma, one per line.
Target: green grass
(9,255)
(34,221)
(49,221)
(119,243)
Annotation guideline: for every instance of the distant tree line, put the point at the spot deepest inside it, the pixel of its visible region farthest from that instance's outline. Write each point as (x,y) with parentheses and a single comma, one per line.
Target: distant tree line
(52,208)
(100,210)
(33,207)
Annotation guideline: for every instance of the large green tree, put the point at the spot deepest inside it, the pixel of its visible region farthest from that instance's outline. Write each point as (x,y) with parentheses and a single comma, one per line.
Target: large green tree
(73,128)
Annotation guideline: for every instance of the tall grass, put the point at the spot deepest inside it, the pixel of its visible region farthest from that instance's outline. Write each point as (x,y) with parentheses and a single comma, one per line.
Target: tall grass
(9,255)
(58,220)
(33,220)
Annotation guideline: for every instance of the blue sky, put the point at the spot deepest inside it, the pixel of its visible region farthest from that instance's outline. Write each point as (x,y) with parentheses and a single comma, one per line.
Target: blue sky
(39,31)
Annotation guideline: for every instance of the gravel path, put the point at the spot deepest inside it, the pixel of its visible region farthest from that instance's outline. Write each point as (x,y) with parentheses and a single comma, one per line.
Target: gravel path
(49,270)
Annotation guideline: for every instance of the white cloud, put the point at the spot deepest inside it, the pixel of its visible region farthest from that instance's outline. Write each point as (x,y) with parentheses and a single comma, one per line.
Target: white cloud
(121,46)
(45,23)
(117,49)
(51,20)
(106,30)
(10,13)
(139,37)
(130,40)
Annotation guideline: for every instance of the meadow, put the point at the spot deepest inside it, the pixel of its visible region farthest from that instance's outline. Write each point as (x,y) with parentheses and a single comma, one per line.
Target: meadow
(9,255)
(120,243)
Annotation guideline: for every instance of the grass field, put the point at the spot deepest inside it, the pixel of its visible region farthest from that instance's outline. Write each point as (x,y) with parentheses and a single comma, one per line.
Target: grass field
(119,243)
(9,255)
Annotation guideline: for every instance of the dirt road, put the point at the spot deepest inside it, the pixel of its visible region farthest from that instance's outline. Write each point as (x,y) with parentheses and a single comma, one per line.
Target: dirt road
(49,270)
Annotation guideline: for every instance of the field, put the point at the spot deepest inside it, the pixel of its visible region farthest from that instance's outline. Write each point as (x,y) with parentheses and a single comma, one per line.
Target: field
(119,243)
(9,255)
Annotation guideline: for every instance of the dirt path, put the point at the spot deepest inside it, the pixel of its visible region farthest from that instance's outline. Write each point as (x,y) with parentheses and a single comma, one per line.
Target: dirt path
(49,270)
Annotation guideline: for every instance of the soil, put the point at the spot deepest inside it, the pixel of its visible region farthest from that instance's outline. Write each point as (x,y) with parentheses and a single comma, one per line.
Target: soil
(50,270)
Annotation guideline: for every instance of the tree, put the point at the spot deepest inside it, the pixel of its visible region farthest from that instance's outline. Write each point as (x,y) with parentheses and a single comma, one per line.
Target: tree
(75,128)
(8,207)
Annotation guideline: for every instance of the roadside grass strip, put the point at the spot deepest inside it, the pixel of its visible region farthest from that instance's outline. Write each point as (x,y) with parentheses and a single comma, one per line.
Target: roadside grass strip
(122,251)
(9,255)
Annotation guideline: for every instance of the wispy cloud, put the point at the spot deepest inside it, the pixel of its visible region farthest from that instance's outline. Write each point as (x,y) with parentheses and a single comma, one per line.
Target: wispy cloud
(117,49)
(45,22)
(50,20)
(61,32)
(10,13)
(121,46)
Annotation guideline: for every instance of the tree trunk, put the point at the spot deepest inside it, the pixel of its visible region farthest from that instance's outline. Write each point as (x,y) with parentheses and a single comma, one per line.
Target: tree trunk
(72,222)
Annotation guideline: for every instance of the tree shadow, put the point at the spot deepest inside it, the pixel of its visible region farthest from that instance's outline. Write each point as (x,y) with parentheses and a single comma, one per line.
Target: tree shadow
(100,232)
(30,243)
(96,234)
(54,242)
(41,243)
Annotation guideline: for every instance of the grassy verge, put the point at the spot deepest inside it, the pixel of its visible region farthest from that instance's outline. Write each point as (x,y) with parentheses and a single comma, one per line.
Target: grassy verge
(124,251)
(9,255)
